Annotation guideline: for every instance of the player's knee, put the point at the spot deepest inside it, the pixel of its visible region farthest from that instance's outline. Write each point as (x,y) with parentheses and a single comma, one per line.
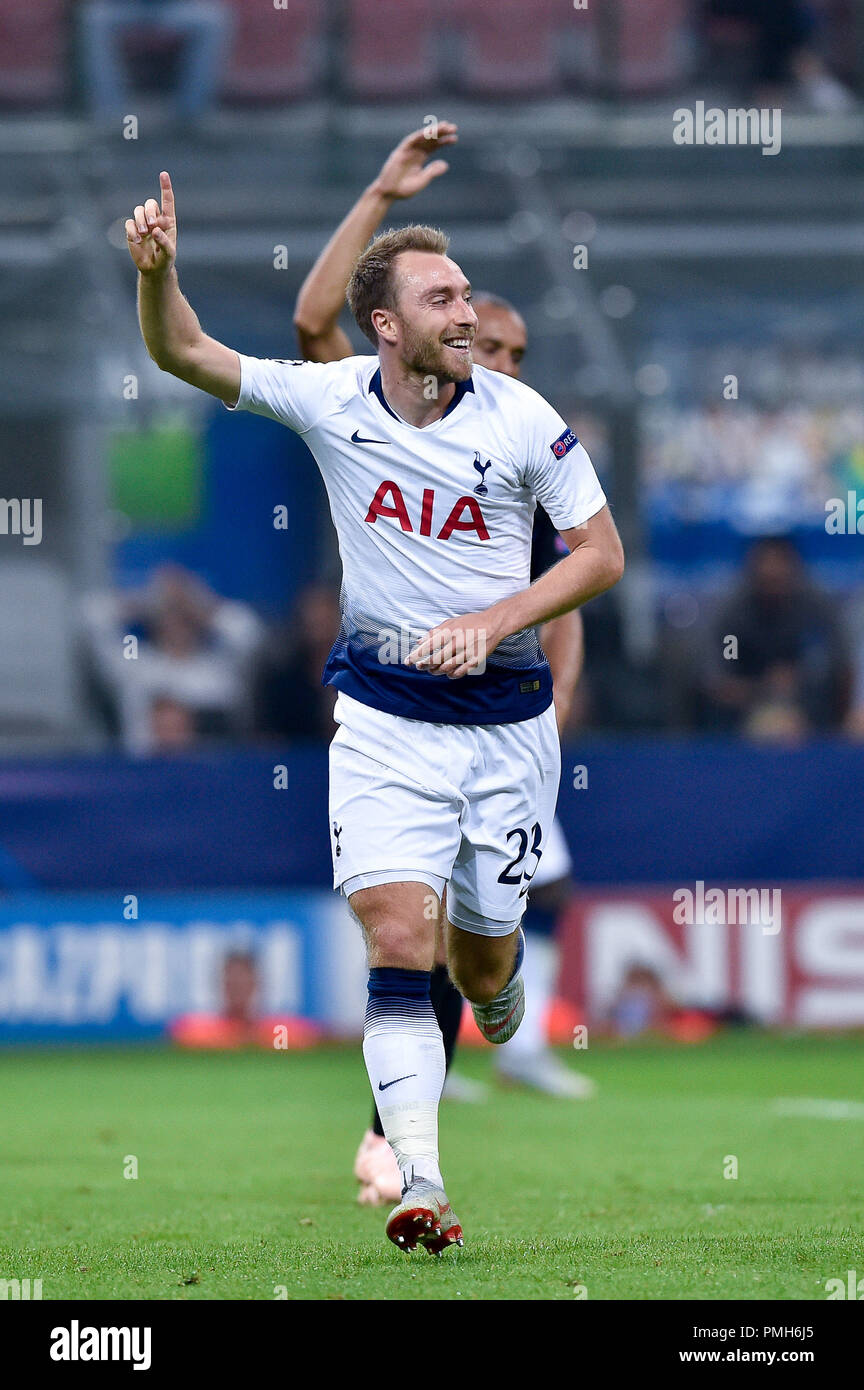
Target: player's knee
(394,937)
(399,946)
(479,984)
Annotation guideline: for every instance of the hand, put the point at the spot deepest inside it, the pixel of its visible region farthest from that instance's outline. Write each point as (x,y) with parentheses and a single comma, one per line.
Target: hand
(152,232)
(405,172)
(458,646)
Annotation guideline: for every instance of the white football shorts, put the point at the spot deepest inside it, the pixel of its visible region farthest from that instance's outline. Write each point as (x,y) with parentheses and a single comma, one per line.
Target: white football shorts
(468,806)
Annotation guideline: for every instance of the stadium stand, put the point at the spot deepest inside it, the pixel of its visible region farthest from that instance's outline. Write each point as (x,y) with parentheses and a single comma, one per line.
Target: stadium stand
(261,70)
(390,48)
(32,53)
(509,47)
(651,44)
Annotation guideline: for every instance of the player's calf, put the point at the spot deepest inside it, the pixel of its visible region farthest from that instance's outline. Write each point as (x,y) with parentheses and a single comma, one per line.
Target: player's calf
(498,1016)
(402,1044)
(481,966)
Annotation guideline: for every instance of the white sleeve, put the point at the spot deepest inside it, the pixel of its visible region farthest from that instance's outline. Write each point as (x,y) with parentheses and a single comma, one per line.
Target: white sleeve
(558,470)
(294,393)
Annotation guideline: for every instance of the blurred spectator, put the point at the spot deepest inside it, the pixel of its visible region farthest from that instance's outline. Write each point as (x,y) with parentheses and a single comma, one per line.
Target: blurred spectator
(752,468)
(173,726)
(107,28)
(174,660)
(683,647)
(617,690)
(645,1004)
(783,33)
(290,700)
(240,988)
(642,1004)
(240,1022)
(778,665)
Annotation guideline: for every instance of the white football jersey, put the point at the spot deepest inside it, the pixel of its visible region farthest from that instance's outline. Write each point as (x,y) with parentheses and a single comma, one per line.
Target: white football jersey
(432,523)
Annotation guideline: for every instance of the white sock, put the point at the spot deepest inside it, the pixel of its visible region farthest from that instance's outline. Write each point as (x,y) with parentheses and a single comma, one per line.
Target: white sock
(404,1055)
(540,974)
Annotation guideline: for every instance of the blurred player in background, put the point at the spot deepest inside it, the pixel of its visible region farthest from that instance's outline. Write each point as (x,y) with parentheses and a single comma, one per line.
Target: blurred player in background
(499,344)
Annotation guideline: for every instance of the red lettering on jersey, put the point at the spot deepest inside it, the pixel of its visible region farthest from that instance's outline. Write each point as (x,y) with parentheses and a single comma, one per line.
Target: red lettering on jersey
(426,514)
(398,509)
(453,522)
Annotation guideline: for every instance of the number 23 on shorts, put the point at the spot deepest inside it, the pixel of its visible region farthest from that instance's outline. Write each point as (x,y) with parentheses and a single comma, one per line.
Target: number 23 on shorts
(515,871)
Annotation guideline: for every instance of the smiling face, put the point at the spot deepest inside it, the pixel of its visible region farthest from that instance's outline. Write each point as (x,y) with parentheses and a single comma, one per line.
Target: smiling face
(501,339)
(432,326)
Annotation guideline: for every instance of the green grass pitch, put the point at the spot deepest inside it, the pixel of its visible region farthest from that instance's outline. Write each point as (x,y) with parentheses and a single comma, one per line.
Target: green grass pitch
(244,1186)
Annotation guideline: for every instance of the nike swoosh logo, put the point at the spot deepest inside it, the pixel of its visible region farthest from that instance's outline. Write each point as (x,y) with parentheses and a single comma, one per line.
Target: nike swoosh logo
(355,439)
(382,1085)
(496,1027)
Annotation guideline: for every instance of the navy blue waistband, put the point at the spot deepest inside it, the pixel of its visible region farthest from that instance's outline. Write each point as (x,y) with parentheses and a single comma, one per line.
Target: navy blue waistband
(499,695)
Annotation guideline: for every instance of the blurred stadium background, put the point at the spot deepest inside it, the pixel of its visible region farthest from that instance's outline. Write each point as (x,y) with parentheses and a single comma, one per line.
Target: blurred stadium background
(164,805)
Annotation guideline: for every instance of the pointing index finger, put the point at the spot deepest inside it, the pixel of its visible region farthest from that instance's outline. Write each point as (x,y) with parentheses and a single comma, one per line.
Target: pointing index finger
(167,194)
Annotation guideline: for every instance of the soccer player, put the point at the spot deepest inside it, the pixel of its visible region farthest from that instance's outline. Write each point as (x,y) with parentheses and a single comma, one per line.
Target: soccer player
(444,770)
(499,344)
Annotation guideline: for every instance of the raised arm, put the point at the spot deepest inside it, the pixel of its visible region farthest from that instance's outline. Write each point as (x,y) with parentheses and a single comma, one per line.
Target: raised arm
(169,325)
(322,295)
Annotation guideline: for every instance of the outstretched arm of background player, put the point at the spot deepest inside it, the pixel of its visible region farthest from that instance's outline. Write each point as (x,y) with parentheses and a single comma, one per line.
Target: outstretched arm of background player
(322,295)
(563,641)
(595,563)
(169,324)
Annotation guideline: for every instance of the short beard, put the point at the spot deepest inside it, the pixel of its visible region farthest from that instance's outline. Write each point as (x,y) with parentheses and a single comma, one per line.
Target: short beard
(426,357)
